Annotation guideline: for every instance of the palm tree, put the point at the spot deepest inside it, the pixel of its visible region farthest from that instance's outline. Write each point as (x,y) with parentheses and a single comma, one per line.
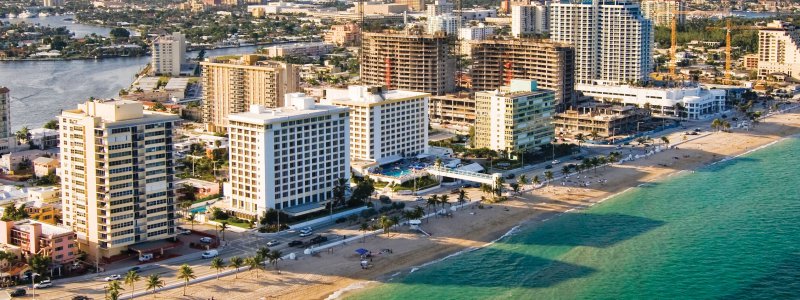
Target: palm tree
(273,258)
(364,227)
(154,282)
(514,187)
(254,263)
(395,221)
(236,263)
(218,264)
(222,227)
(444,199)
(191,217)
(485,188)
(385,223)
(549,176)
(113,290)
(594,134)
(498,185)
(263,251)
(432,200)
(665,140)
(565,170)
(186,273)
(536,180)
(462,196)
(130,279)
(581,138)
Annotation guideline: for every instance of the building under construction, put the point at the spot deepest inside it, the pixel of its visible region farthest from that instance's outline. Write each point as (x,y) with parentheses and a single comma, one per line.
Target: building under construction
(606,120)
(407,61)
(551,64)
(452,111)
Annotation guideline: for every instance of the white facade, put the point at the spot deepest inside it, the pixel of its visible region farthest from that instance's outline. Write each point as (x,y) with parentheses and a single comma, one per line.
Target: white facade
(779,50)
(287,158)
(384,125)
(446,23)
(662,11)
(475,33)
(699,103)
(169,52)
(530,19)
(613,41)
(439,7)
(517,117)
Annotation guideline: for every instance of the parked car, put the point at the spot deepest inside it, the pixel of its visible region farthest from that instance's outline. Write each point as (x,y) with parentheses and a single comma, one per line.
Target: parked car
(134,269)
(206,240)
(548,166)
(319,239)
(146,257)
(43,284)
(112,277)
(295,243)
(555,162)
(17,293)
(305,233)
(210,254)
(580,157)
(273,243)
(185,232)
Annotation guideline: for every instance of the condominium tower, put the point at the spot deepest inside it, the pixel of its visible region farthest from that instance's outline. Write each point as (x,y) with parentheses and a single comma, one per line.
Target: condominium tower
(287,158)
(779,50)
(514,118)
(662,11)
(414,62)
(385,125)
(530,19)
(117,174)
(231,86)
(613,41)
(169,52)
(5,117)
(496,62)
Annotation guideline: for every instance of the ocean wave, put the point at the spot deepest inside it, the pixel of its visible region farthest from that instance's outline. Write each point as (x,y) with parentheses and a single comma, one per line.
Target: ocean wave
(355,286)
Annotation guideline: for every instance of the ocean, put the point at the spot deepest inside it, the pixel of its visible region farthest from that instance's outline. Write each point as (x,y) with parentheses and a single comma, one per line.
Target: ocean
(727,231)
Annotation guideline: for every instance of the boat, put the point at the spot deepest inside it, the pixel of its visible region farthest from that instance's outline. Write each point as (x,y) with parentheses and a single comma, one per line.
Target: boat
(68,19)
(12,16)
(25,15)
(43,14)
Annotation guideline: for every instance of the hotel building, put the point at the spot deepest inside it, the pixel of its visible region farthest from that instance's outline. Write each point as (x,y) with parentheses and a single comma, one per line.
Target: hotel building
(117,173)
(514,118)
(779,50)
(231,86)
(34,237)
(385,126)
(287,158)
(694,103)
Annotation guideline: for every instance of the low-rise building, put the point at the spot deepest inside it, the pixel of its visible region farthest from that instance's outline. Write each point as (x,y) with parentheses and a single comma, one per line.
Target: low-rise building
(44,138)
(514,118)
(453,111)
(299,49)
(43,166)
(21,160)
(693,103)
(605,120)
(33,237)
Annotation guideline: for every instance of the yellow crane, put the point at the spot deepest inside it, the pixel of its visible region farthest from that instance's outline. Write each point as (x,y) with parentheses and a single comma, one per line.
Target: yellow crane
(673,49)
(728,56)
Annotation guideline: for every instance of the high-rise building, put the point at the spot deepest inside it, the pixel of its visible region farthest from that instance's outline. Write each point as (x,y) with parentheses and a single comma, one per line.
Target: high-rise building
(343,35)
(530,19)
(495,62)
(231,86)
(779,50)
(414,62)
(415,5)
(514,118)
(53,3)
(475,33)
(385,124)
(117,174)
(287,158)
(445,23)
(5,115)
(169,52)
(662,11)
(438,7)
(613,41)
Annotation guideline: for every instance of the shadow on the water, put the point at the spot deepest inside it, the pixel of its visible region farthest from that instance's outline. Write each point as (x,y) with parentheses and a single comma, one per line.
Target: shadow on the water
(722,163)
(586,229)
(509,270)
(782,282)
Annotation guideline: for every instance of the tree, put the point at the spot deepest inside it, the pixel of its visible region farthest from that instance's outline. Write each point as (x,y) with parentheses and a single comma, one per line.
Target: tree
(385,223)
(274,256)
(514,187)
(236,263)
(263,251)
(218,264)
(39,263)
(580,138)
(120,32)
(159,107)
(565,170)
(395,220)
(23,135)
(523,180)
(498,185)
(52,124)
(433,200)
(339,188)
(113,290)
(462,196)
(13,213)
(665,140)
(536,180)
(191,218)
(222,227)
(363,228)
(548,175)
(130,279)
(254,263)
(444,199)
(154,282)
(186,273)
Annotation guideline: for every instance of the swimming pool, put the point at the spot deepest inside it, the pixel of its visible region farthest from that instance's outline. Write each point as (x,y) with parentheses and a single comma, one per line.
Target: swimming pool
(199,210)
(401,168)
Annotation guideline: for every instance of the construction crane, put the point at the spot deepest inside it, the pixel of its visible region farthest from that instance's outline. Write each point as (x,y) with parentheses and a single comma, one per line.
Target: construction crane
(673,49)
(728,54)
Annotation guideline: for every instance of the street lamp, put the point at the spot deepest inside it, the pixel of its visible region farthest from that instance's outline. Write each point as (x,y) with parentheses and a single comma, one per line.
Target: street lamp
(33,284)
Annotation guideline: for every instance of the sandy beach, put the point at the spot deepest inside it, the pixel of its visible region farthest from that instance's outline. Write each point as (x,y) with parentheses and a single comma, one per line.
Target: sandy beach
(317,277)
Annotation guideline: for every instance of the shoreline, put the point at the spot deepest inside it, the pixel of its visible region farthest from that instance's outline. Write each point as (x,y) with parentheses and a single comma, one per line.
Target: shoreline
(337,274)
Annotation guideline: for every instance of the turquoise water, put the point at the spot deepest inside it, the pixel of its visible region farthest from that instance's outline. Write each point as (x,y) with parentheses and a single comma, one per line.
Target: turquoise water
(200,210)
(728,231)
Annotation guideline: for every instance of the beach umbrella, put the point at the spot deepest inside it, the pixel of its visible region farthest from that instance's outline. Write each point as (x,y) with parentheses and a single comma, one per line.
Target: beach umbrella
(361,251)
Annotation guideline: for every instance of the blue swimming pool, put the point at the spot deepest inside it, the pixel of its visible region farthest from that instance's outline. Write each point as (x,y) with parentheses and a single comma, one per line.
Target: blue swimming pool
(402,168)
(199,210)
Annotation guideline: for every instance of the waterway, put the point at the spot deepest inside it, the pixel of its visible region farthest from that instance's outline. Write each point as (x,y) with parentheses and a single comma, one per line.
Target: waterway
(80,30)
(727,231)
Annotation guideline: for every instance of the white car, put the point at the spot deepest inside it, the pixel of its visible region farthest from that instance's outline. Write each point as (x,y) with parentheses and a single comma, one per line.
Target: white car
(43,284)
(113,277)
(206,240)
(210,254)
(555,162)
(305,233)
(306,229)
(273,243)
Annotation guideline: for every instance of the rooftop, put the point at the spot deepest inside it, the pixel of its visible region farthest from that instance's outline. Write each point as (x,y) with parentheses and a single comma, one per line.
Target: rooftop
(47,229)
(298,106)
(360,95)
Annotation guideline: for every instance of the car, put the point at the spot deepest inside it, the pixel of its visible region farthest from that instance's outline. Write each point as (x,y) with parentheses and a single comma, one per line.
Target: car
(510,176)
(112,277)
(319,239)
(455,191)
(295,243)
(305,233)
(210,254)
(273,243)
(146,257)
(206,240)
(43,284)
(306,229)
(555,162)
(80,297)
(134,269)
(420,199)
(17,293)
(580,157)
(548,166)
(185,232)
